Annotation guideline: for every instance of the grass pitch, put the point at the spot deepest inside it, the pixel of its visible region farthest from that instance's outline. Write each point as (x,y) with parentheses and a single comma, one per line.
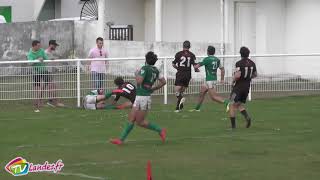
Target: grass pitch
(283,142)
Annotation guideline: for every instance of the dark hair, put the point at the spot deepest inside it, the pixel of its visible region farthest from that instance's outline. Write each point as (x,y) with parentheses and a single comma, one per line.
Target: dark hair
(53,42)
(244,51)
(186,44)
(151,58)
(211,50)
(35,42)
(99,39)
(118,81)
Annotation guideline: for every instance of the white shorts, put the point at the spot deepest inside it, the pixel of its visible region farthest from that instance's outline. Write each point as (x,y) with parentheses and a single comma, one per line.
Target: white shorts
(142,103)
(90,106)
(89,102)
(211,84)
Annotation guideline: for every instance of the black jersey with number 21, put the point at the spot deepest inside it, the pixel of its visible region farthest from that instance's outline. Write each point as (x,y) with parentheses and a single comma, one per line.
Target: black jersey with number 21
(184,60)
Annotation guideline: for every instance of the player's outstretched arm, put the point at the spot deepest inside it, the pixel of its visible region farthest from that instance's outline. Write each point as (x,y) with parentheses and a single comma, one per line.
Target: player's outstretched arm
(196,67)
(160,85)
(255,73)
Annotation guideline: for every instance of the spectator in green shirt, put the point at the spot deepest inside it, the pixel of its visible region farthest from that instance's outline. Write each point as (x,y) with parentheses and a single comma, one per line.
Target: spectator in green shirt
(40,72)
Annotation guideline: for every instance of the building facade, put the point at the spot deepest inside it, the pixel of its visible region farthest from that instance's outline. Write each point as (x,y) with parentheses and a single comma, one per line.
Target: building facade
(266,26)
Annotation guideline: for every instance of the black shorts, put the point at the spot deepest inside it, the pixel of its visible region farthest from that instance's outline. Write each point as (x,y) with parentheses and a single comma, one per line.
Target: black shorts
(239,95)
(44,77)
(183,79)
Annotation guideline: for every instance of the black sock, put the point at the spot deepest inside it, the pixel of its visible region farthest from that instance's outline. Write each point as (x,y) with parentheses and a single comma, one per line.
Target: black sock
(233,122)
(245,114)
(178,102)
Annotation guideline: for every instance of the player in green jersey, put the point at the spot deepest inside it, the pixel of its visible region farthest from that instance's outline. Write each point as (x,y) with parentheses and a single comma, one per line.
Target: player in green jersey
(211,64)
(145,78)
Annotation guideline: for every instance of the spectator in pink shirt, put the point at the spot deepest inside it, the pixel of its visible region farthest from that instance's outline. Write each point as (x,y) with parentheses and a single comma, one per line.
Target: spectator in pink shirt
(98,68)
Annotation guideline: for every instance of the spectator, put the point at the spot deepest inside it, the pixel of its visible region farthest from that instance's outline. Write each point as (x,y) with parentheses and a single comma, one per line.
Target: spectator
(98,68)
(51,49)
(51,69)
(41,73)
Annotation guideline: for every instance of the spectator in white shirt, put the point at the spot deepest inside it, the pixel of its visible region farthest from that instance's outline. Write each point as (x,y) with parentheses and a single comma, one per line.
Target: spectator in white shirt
(98,68)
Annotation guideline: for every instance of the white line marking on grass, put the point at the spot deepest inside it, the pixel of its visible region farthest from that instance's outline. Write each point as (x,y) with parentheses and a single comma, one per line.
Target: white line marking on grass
(81,175)
(17,119)
(231,134)
(98,163)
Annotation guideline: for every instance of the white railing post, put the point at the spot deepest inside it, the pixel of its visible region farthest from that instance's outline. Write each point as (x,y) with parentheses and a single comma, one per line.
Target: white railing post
(78,85)
(165,74)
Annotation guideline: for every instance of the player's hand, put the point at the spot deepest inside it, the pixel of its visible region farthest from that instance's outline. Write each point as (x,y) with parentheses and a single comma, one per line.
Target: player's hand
(197,70)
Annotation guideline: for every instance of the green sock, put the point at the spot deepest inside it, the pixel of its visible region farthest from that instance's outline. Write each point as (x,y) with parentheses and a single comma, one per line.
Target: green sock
(108,94)
(198,106)
(154,127)
(110,107)
(126,131)
(226,102)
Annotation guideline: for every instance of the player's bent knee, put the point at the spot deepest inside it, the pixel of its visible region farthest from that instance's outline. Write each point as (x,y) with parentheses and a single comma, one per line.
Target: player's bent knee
(204,89)
(178,94)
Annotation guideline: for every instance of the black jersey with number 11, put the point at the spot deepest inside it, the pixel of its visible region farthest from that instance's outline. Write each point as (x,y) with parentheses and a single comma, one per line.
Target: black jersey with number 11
(248,69)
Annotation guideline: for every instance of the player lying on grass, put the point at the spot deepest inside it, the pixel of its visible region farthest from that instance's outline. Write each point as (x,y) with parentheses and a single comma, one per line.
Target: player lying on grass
(211,64)
(245,71)
(96,98)
(145,77)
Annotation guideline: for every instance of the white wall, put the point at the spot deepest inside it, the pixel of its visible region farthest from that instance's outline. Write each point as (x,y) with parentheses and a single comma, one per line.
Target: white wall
(302,26)
(270,34)
(197,21)
(22,10)
(270,31)
(128,12)
(149,20)
(71,8)
(38,4)
(302,34)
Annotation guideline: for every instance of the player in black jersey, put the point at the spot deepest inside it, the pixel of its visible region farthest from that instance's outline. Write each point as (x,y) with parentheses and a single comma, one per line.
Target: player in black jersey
(183,62)
(245,71)
(126,90)
(96,98)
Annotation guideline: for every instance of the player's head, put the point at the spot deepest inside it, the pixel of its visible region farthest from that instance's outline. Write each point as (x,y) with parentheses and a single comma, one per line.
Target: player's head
(186,45)
(119,81)
(53,44)
(36,45)
(100,91)
(244,51)
(99,42)
(211,50)
(151,58)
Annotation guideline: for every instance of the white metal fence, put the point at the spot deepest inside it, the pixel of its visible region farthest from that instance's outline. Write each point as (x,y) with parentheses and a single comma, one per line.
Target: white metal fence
(72,77)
